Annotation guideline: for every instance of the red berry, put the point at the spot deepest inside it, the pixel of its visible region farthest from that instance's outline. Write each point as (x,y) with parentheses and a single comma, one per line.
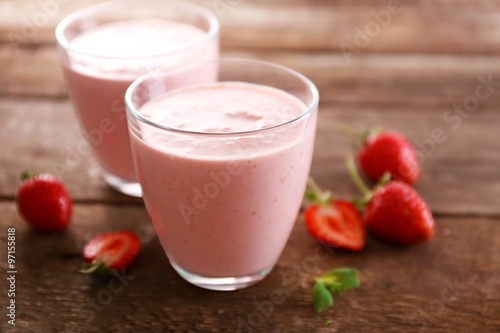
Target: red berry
(398,214)
(43,202)
(338,224)
(389,151)
(114,250)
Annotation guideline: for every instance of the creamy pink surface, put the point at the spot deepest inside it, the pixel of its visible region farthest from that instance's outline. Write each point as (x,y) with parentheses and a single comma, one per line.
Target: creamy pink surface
(224,205)
(109,58)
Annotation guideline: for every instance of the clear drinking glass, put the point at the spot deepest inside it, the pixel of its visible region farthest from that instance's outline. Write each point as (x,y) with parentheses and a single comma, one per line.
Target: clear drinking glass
(223,204)
(97,83)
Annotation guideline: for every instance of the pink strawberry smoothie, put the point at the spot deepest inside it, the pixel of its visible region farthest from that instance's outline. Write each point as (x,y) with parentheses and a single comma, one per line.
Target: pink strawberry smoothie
(223,205)
(107,60)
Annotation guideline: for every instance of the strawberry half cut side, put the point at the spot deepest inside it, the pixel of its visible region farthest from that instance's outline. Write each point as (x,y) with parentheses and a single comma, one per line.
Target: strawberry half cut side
(338,225)
(334,223)
(115,250)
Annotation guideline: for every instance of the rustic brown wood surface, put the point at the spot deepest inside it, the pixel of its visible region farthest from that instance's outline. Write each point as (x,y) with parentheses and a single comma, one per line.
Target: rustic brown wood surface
(427,58)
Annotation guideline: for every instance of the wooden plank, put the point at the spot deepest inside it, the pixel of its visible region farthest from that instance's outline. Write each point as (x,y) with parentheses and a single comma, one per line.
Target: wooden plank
(437,79)
(420,79)
(43,134)
(460,175)
(35,71)
(437,27)
(414,289)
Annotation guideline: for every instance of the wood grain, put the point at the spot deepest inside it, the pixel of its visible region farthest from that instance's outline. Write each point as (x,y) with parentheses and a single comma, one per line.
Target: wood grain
(414,27)
(392,298)
(419,79)
(43,134)
(408,76)
(460,175)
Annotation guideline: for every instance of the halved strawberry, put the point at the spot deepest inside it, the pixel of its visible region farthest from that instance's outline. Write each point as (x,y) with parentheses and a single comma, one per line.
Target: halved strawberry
(334,223)
(114,250)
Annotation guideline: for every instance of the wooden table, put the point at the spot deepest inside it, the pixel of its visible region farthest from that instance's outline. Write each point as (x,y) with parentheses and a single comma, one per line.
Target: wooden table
(406,73)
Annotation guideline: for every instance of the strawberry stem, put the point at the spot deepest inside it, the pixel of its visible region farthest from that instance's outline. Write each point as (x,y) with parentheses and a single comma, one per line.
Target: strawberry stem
(319,196)
(358,135)
(27,175)
(351,132)
(89,268)
(313,186)
(356,178)
(360,184)
(386,178)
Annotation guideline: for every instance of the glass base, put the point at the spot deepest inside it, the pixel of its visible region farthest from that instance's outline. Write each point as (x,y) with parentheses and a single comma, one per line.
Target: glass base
(221,283)
(121,185)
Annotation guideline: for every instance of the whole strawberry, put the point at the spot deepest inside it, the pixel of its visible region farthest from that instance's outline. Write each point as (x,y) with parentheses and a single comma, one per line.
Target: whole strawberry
(386,151)
(394,211)
(334,223)
(43,201)
(398,214)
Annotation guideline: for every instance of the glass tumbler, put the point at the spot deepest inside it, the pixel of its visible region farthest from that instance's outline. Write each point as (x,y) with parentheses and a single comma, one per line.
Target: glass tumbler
(97,74)
(222,202)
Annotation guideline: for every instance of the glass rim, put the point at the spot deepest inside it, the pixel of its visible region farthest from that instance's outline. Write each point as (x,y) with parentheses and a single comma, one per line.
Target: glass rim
(131,109)
(64,24)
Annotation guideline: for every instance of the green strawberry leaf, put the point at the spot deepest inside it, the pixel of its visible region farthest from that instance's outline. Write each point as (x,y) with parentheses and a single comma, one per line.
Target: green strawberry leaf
(333,282)
(315,195)
(328,322)
(346,278)
(311,196)
(97,268)
(359,203)
(334,287)
(322,299)
(27,175)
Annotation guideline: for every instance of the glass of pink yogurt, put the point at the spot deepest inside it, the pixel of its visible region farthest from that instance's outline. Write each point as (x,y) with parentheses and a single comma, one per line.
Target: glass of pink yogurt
(223,157)
(104,48)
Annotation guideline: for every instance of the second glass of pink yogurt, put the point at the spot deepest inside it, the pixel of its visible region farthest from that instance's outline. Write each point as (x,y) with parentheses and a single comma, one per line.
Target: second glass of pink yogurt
(104,48)
(223,157)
